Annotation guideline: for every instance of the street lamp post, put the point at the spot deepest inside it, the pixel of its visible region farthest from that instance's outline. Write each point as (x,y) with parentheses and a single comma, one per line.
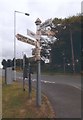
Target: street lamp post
(15,40)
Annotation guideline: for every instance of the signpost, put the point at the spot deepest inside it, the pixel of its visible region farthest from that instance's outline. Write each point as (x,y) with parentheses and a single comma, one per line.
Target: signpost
(40,31)
(38,86)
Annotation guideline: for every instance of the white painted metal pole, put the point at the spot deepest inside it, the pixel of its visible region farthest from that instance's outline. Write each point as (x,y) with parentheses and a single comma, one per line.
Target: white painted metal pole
(14,45)
(38,87)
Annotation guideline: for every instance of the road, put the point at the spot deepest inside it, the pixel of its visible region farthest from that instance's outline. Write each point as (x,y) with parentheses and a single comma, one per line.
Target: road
(64,93)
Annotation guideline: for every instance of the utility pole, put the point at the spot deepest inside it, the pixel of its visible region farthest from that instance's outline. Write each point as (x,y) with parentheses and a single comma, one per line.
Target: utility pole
(64,63)
(38,89)
(73,63)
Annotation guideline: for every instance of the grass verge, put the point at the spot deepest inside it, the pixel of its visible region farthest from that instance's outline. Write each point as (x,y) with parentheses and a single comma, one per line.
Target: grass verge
(17,104)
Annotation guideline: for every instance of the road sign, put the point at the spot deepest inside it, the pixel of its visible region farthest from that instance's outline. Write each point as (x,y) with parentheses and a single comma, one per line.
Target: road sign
(25,39)
(31,34)
(46,23)
(47,32)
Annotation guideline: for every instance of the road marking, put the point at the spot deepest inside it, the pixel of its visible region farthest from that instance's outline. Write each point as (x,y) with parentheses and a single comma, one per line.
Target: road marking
(76,87)
(43,81)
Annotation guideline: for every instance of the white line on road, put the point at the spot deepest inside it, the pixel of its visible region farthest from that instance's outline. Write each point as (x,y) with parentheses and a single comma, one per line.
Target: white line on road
(76,87)
(43,81)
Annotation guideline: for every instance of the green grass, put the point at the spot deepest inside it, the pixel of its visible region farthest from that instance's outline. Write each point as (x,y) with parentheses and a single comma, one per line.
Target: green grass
(17,104)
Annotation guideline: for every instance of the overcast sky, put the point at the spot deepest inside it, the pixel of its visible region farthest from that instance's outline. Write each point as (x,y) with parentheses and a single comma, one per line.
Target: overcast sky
(43,9)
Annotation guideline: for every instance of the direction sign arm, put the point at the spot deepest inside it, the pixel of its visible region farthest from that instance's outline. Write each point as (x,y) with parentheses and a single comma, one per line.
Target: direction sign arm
(25,39)
(46,23)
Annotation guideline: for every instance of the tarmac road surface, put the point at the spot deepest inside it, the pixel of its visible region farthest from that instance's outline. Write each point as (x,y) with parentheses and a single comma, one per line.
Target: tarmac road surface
(64,93)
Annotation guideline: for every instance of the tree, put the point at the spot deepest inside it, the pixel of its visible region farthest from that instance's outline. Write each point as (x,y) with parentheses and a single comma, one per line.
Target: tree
(62,46)
(9,63)
(4,63)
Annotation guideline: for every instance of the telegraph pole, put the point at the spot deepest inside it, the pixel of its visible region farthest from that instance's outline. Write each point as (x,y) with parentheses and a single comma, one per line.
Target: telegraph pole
(73,63)
(38,89)
(24,56)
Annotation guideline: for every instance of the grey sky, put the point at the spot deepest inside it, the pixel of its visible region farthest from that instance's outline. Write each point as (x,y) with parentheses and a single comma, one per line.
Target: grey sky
(43,9)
